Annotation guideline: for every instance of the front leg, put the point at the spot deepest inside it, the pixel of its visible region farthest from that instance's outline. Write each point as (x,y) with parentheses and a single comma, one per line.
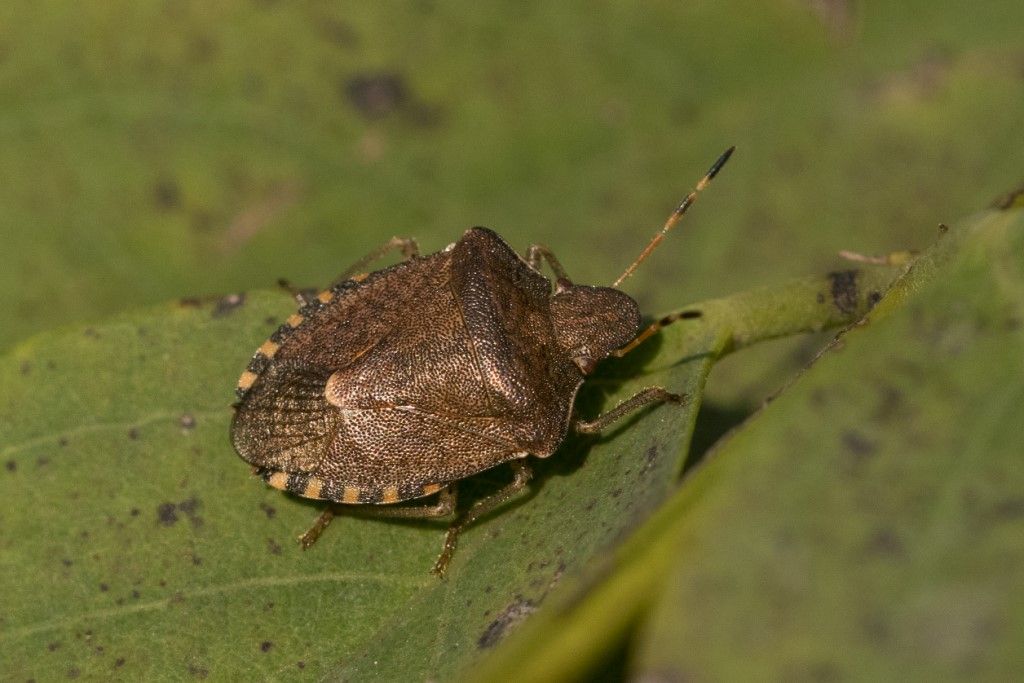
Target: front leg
(642,398)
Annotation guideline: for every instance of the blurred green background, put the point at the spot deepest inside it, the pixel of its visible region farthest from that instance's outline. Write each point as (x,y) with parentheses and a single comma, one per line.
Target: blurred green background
(155,150)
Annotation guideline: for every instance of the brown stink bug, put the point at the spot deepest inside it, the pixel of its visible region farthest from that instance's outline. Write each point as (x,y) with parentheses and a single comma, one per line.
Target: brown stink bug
(395,385)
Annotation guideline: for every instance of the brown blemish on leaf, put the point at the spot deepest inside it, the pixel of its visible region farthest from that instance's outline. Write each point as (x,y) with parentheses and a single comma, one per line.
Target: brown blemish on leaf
(167,194)
(166,514)
(515,612)
(836,16)
(844,290)
(11,466)
(1009,509)
(273,547)
(266,645)
(227,304)
(857,444)
(119,662)
(133,433)
(198,671)
(190,302)
(26,367)
(74,672)
(338,32)
(54,646)
(269,510)
(259,215)
(885,543)
(375,95)
(921,81)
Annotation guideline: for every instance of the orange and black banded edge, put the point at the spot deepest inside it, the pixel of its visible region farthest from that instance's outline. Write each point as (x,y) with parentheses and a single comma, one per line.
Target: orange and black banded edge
(261,359)
(308,486)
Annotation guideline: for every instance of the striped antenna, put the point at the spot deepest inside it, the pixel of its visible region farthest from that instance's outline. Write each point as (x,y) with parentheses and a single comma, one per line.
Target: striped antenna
(676,215)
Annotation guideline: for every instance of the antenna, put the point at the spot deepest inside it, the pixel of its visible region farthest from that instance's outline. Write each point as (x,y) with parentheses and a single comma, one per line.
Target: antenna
(677,214)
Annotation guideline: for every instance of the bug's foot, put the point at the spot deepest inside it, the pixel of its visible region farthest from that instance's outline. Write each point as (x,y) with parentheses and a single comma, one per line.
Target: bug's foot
(313,533)
(451,539)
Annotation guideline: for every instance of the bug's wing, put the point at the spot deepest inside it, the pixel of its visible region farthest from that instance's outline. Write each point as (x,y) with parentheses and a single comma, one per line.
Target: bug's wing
(285,424)
(393,453)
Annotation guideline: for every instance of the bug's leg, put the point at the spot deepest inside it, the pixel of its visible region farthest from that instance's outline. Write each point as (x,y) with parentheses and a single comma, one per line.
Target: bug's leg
(408,246)
(445,506)
(536,252)
(319,524)
(639,400)
(522,475)
(653,329)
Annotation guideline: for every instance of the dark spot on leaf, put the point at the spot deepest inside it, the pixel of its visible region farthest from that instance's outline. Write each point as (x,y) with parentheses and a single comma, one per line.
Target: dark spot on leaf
(62,441)
(134,512)
(886,543)
(858,444)
(74,672)
(301,664)
(26,367)
(52,647)
(104,588)
(198,671)
(617,492)
(11,466)
(119,662)
(1009,509)
(339,33)
(42,461)
(133,433)
(227,304)
(270,320)
(136,595)
(187,421)
(873,298)
(66,562)
(269,510)
(266,645)
(167,194)
(844,290)
(375,95)
(273,547)
(190,302)
(91,333)
(509,617)
(165,514)
(890,404)
(820,298)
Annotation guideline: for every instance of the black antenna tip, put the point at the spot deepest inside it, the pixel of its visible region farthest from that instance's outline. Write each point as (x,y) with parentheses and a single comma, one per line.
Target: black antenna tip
(717,166)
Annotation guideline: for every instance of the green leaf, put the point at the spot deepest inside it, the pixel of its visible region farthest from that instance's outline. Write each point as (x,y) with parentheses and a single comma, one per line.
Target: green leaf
(866,524)
(176,149)
(136,543)
(870,523)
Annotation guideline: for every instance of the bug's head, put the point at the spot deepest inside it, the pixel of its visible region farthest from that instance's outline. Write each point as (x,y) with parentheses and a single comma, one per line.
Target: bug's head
(591,322)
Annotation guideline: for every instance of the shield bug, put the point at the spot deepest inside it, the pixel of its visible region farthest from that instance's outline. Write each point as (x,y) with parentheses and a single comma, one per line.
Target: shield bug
(395,385)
